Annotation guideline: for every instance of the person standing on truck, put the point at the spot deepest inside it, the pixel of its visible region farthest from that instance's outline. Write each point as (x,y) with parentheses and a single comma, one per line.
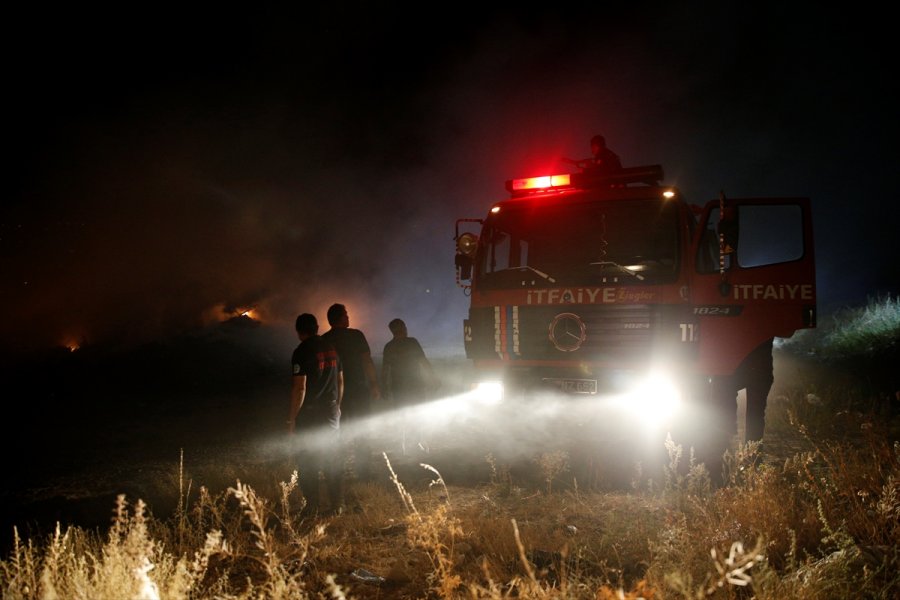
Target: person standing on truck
(316,391)
(406,374)
(361,387)
(603,159)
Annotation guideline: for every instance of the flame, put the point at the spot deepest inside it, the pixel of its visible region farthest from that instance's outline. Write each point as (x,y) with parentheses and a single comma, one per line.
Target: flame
(71,344)
(220,313)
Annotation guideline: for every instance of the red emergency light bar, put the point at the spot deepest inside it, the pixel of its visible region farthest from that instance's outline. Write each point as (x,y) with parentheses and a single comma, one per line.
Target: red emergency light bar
(543,182)
(648,175)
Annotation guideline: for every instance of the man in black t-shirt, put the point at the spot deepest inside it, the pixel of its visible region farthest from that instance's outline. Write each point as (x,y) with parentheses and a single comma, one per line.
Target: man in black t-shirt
(361,387)
(315,414)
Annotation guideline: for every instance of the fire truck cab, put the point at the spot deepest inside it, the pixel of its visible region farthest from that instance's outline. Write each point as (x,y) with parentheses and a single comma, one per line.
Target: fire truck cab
(587,283)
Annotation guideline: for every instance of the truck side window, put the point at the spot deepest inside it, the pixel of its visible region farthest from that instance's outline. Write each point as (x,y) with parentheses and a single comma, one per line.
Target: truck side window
(499,256)
(505,252)
(770,234)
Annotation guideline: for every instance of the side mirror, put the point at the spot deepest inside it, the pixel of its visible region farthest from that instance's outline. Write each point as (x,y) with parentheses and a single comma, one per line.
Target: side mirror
(466,245)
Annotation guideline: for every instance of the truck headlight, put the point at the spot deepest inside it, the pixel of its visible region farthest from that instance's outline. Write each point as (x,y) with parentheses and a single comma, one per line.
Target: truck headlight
(488,392)
(653,399)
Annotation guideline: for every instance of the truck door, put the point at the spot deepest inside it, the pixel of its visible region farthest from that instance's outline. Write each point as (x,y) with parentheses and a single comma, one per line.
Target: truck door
(753,279)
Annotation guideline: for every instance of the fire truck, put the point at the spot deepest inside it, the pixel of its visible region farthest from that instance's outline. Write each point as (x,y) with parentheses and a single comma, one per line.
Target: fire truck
(598,285)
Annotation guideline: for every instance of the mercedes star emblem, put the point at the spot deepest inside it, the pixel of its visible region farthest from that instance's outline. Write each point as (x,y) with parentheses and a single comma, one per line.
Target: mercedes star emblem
(567,332)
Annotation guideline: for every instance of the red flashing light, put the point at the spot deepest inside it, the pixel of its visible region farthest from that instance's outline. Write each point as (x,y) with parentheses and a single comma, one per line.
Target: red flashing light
(545,182)
(649,175)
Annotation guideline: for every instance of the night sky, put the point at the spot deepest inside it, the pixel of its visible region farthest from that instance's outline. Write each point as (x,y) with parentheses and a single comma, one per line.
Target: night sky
(168,168)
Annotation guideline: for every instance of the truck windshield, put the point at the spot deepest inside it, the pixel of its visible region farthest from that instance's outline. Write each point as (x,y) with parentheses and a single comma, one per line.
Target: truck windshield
(568,243)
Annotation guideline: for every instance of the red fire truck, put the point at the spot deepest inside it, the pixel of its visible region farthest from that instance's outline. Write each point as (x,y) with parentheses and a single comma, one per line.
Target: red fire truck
(600,285)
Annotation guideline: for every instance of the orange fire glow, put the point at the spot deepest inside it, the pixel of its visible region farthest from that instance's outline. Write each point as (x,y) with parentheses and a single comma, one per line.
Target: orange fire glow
(220,313)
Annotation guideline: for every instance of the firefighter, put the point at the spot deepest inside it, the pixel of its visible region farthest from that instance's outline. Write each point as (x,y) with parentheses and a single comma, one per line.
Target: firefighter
(361,389)
(758,379)
(315,414)
(407,376)
(755,376)
(603,160)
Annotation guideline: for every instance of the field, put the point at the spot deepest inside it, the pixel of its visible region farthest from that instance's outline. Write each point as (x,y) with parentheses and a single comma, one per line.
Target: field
(192,499)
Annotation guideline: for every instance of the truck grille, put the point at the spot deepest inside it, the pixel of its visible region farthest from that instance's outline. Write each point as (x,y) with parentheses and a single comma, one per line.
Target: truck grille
(581,333)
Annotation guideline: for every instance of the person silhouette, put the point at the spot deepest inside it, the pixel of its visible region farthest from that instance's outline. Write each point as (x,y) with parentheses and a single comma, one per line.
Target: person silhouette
(602,160)
(407,378)
(361,389)
(315,415)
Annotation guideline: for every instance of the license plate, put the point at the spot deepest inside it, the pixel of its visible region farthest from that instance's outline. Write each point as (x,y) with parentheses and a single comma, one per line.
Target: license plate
(574,386)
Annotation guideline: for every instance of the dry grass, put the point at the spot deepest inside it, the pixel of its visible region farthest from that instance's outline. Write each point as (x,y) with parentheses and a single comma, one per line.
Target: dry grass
(813,513)
(822,523)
